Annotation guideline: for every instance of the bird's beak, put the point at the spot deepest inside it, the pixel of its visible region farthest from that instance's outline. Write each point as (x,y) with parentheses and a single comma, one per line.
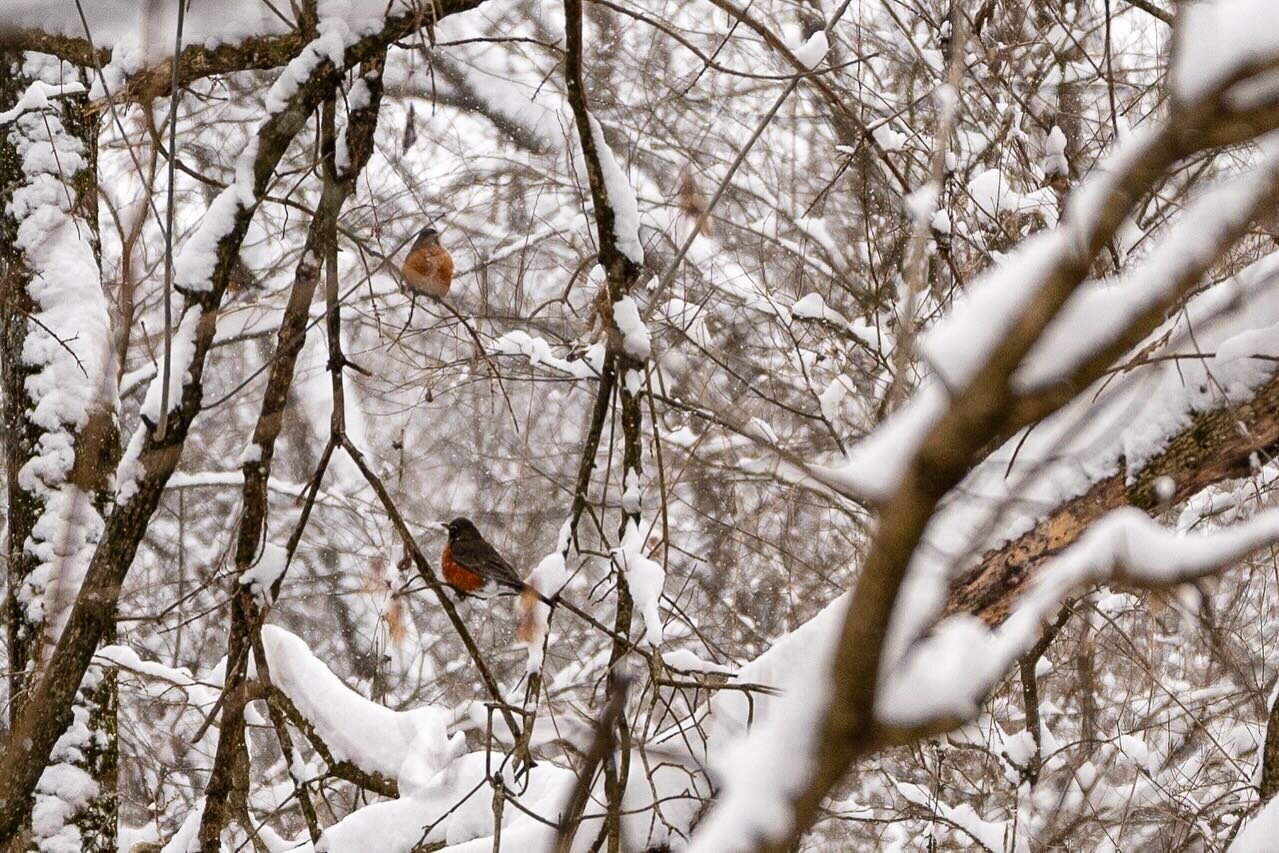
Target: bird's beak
(443,525)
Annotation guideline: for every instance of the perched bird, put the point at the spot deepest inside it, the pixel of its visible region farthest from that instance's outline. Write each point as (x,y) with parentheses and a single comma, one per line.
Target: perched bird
(428,267)
(473,567)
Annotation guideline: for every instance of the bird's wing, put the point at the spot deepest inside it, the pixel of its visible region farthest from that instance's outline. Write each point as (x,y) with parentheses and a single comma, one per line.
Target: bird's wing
(481,558)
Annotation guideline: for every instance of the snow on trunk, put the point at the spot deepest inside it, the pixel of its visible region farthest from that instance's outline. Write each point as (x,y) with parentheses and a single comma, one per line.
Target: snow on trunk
(66,371)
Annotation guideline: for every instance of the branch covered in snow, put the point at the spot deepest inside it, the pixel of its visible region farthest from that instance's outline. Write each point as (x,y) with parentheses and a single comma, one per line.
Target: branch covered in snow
(937,439)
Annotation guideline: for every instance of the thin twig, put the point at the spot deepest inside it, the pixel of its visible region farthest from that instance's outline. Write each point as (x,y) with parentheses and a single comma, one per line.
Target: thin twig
(163,425)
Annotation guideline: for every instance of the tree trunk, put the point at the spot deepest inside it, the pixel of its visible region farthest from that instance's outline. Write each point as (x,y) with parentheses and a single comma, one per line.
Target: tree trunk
(55,503)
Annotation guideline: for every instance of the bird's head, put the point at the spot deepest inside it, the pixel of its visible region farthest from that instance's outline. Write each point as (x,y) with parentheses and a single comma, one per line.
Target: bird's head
(430,236)
(461,527)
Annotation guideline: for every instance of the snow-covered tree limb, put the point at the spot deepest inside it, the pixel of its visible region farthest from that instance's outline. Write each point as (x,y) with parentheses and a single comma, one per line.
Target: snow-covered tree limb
(978,351)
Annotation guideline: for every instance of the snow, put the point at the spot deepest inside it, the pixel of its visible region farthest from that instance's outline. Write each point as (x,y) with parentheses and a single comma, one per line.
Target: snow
(990,834)
(688,661)
(403,745)
(548,577)
(621,197)
(63,790)
(411,747)
(993,194)
(636,341)
(715,303)
(1217,41)
(812,307)
(1137,751)
(889,139)
(1225,505)
(63,540)
(632,491)
(1099,311)
(121,24)
(921,203)
(961,343)
(332,36)
(538,352)
(544,793)
(690,318)
(195,262)
(182,355)
(1125,424)
(200,693)
(829,400)
(761,768)
(37,96)
(68,347)
(252,454)
(262,575)
(950,671)
(1259,833)
(814,50)
(358,97)
(397,826)
(874,466)
(340,24)
(1055,162)
(941,222)
(187,839)
(503,97)
(946,673)
(645,578)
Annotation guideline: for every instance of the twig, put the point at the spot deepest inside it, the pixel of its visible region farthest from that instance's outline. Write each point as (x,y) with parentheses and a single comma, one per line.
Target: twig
(163,425)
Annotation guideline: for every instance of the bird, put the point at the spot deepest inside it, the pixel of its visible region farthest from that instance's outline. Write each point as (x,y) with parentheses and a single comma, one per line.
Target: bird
(474,568)
(428,267)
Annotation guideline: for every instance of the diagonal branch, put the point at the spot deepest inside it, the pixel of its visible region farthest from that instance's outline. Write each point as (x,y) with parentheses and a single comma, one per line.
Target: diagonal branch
(981,411)
(247,611)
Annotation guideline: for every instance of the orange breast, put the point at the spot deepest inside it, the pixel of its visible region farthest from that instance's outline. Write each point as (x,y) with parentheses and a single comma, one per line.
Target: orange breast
(429,270)
(456,575)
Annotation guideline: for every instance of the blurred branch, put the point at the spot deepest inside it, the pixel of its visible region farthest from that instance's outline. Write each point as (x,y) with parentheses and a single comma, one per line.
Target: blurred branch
(602,745)
(982,411)
(1152,10)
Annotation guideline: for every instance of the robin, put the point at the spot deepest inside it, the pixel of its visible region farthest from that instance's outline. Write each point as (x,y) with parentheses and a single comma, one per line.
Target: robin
(473,567)
(428,267)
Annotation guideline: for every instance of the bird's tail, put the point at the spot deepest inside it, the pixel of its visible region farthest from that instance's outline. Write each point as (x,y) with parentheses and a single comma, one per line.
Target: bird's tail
(531,624)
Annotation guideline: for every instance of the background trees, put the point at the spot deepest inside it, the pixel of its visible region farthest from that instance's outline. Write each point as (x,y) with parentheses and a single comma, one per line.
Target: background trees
(787,339)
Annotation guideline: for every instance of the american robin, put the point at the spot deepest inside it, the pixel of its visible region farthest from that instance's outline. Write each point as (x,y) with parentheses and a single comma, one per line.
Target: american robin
(473,567)
(428,267)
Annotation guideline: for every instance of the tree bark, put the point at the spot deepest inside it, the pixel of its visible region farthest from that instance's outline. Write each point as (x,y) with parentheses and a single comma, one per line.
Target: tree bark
(37,489)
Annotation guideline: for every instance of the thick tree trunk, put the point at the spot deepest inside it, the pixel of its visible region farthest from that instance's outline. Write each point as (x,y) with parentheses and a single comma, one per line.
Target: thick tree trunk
(78,806)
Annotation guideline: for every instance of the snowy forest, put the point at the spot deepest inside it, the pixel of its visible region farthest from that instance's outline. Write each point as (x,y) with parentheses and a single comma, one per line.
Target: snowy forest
(670,425)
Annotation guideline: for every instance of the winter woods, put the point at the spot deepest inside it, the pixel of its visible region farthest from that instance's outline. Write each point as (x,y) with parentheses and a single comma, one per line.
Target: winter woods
(877,399)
